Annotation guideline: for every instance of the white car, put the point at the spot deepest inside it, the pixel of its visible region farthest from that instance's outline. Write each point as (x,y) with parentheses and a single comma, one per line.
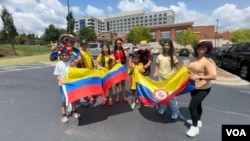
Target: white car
(131,50)
(155,51)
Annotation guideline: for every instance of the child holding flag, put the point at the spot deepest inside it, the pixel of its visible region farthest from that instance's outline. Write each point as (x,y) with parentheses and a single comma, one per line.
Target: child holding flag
(107,60)
(86,62)
(134,66)
(60,72)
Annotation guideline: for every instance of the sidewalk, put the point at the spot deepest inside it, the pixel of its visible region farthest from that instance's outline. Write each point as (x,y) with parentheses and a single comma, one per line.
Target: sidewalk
(226,78)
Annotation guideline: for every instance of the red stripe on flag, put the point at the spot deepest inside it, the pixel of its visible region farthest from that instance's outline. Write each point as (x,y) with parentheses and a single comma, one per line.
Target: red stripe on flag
(84,91)
(114,79)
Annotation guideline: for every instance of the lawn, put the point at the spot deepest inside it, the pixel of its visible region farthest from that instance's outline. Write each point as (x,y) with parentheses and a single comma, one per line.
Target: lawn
(26,54)
(27,50)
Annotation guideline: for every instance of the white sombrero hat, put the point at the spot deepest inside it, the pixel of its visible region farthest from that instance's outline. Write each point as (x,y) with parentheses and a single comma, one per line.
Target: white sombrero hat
(143,45)
(65,37)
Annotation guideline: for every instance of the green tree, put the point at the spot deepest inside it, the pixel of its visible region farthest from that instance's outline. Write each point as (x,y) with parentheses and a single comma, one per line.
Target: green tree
(139,33)
(9,29)
(241,35)
(161,41)
(51,34)
(20,39)
(70,23)
(87,33)
(187,37)
(62,31)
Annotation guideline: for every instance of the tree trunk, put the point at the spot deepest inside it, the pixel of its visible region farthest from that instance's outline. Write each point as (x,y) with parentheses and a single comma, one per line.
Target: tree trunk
(13,48)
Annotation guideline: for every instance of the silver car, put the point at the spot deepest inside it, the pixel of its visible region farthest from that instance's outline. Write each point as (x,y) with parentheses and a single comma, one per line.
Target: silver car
(94,48)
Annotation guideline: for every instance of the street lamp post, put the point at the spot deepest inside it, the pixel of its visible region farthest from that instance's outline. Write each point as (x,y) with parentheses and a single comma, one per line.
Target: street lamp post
(68,29)
(216,33)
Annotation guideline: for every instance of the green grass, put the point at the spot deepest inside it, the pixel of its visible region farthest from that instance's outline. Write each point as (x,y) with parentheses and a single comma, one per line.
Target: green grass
(26,54)
(27,50)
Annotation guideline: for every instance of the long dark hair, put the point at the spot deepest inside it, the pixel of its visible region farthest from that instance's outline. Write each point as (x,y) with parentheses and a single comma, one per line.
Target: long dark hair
(110,61)
(115,47)
(171,51)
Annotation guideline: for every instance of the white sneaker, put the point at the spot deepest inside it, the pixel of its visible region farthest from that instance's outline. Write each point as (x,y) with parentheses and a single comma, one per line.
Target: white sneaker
(65,119)
(76,115)
(189,121)
(193,131)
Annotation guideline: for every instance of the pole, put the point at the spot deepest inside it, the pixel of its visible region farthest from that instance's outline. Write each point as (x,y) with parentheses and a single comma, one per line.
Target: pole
(216,33)
(68,19)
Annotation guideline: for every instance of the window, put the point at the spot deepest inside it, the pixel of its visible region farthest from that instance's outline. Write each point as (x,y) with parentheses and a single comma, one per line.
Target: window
(165,35)
(153,36)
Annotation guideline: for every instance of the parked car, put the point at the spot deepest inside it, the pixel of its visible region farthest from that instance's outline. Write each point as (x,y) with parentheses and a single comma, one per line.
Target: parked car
(217,53)
(131,49)
(94,48)
(237,58)
(155,51)
(184,52)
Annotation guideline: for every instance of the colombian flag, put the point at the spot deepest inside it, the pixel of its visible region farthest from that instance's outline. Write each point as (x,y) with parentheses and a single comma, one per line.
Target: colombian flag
(113,76)
(81,82)
(154,92)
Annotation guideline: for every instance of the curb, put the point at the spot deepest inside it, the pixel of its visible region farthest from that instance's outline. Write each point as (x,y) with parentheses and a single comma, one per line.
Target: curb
(233,80)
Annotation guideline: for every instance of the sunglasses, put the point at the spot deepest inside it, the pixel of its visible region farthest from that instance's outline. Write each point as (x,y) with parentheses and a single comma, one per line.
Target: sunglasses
(119,43)
(201,47)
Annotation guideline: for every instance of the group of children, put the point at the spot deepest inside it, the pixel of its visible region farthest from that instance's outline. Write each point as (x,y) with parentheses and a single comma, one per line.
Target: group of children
(202,71)
(107,59)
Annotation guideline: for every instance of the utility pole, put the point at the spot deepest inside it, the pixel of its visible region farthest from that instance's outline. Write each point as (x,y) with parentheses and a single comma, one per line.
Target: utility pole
(216,33)
(68,29)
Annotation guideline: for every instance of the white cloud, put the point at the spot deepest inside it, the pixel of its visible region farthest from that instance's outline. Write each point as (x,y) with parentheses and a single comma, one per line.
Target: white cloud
(109,9)
(34,16)
(231,18)
(93,11)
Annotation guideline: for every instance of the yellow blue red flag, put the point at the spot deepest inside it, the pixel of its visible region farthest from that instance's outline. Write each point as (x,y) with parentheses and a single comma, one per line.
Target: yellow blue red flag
(151,92)
(81,82)
(113,76)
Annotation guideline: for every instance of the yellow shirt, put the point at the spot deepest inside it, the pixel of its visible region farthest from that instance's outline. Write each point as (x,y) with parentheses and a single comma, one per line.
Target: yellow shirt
(165,70)
(106,58)
(202,67)
(131,72)
(87,60)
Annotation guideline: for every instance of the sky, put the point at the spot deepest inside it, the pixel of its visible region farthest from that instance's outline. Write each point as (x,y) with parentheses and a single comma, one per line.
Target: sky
(33,16)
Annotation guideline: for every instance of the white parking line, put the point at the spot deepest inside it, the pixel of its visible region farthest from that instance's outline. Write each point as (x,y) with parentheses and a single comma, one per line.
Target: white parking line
(21,67)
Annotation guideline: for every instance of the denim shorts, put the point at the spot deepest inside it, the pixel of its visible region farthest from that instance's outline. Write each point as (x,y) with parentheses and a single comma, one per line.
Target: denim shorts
(62,96)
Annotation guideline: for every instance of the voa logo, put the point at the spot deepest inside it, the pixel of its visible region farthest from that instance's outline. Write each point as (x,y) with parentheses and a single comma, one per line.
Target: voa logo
(236,132)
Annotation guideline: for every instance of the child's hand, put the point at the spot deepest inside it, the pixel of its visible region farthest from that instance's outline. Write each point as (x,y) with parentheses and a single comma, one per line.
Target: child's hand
(111,57)
(118,61)
(72,64)
(53,46)
(61,83)
(156,74)
(141,70)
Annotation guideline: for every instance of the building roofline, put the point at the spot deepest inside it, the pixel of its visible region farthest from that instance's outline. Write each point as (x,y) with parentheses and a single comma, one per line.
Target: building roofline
(172,25)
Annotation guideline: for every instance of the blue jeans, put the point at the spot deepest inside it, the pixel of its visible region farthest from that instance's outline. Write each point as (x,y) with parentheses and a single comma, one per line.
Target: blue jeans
(172,104)
(62,96)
